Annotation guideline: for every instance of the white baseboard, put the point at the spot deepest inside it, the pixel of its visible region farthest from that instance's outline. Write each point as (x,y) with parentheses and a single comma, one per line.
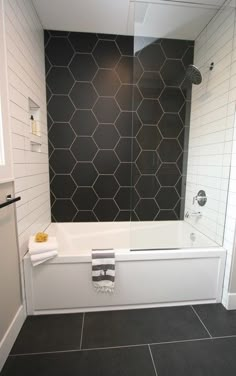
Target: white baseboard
(230,301)
(12,332)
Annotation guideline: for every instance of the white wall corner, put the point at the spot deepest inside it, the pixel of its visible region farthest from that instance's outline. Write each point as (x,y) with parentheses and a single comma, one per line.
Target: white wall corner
(230,301)
(11,334)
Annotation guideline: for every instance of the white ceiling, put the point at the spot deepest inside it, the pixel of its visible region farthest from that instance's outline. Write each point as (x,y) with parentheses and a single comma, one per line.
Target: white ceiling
(155,18)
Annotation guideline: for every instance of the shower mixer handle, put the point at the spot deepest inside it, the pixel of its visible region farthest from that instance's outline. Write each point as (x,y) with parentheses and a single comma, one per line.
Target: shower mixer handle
(201,198)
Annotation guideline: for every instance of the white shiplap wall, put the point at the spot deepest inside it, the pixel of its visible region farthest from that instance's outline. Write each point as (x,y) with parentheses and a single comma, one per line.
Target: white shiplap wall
(26,79)
(212,121)
(212,134)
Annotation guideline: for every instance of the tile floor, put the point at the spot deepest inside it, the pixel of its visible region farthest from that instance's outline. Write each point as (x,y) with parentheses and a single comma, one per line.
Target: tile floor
(176,341)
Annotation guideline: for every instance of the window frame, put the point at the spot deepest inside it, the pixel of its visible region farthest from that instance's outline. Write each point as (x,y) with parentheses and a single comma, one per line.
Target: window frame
(6,173)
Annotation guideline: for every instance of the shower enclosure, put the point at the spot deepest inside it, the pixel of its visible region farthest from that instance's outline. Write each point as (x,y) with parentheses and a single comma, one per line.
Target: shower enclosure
(183,118)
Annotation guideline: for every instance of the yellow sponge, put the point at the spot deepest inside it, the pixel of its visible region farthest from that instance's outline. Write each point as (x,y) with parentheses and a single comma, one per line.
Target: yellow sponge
(41,237)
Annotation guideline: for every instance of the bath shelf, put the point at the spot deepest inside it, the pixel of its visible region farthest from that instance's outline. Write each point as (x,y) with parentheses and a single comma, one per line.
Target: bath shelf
(35,138)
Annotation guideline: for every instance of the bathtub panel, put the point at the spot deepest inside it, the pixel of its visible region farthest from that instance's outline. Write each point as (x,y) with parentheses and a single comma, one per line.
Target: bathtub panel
(68,286)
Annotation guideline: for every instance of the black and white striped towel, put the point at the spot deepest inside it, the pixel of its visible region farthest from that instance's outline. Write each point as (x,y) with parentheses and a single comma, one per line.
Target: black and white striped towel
(103,270)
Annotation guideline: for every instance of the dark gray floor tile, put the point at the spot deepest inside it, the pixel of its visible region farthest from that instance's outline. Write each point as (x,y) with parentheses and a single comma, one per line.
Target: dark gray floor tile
(217,319)
(116,328)
(213,357)
(134,361)
(49,333)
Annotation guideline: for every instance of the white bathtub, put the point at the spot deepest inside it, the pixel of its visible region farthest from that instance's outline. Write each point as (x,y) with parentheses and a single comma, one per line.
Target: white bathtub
(157,263)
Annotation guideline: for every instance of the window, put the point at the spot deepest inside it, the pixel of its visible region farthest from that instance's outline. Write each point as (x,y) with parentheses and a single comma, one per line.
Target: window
(5,150)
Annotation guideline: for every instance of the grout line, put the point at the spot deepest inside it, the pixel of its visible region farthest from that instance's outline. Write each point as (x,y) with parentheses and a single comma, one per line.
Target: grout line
(153,363)
(201,322)
(82,330)
(124,346)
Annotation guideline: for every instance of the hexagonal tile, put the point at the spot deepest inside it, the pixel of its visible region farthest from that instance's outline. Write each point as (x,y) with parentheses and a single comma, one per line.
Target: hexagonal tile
(150,111)
(166,215)
(169,150)
(54,50)
(179,209)
(63,210)
(180,161)
(187,59)
(61,135)
(106,186)
(180,185)
(47,65)
(60,80)
(84,198)
(124,69)
(168,174)
(84,174)
(137,70)
(149,137)
(136,124)
(170,125)
(47,36)
(181,138)
(84,149)
(106,54)
(124,97)
(106,161)
(50,148)
(135,149)
(167,198)
(125,44)
(60,108)
(106,36)
(171,99)
(83,95)
(106,210)
(124,124)
(128,97)
(48,94)
(173,72)
(148,162)
(59,33)
(135,174)
(124,149)
(174,48)
(83,42)
(151,57)
(137,98)
(186,88)
(123,216)
(83,67)
(151,85)
(106,136)
(62,161)
(85,216)
(106,110)
(123,198)
(147,186)
(106,82)
(63,186)
(84,122)
(49,121)
(124,174)
(147,209)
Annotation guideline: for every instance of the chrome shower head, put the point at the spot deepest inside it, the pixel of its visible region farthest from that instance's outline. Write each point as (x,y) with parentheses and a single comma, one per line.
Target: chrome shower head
(194,74)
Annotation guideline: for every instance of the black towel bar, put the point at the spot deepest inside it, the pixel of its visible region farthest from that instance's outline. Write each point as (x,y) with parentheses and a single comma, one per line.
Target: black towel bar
(9,201)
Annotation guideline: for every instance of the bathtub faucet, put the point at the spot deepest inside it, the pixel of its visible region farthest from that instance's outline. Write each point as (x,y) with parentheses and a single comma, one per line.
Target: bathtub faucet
(193,214)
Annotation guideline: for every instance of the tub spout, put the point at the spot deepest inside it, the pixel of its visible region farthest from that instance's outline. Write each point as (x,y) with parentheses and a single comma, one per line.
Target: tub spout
(192,214)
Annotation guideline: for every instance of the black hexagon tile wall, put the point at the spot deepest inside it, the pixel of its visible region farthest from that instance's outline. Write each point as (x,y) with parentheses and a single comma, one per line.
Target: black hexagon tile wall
(117,125)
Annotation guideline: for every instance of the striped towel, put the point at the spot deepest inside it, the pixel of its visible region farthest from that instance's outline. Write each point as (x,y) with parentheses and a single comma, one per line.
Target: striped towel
(103,270)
